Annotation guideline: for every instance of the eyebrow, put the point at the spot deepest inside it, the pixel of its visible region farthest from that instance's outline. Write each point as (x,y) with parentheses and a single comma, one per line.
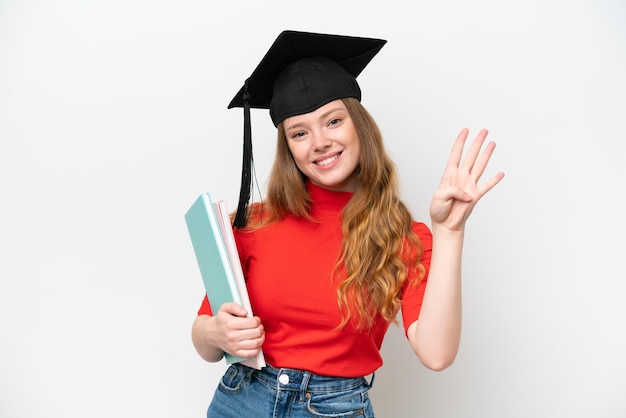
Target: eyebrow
(322,116)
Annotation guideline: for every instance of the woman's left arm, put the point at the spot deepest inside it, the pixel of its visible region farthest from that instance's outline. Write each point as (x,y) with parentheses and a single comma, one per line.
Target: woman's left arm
(436,335)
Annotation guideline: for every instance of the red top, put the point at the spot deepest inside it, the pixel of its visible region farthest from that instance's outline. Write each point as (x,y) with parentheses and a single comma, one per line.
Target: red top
(288,269)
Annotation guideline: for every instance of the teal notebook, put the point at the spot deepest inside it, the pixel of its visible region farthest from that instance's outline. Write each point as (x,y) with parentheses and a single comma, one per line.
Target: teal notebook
(214,245)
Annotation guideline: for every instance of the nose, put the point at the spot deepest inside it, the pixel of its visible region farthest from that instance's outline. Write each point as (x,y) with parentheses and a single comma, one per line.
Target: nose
(321,141)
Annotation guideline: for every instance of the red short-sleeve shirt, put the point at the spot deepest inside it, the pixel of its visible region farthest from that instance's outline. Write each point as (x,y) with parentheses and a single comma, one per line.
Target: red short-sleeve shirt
(288,268)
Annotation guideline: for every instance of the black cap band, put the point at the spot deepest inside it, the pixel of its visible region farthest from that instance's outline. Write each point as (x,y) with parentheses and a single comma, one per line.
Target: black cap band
(308,84)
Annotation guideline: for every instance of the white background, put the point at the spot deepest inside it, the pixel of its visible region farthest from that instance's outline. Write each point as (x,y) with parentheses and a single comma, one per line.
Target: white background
(113,119)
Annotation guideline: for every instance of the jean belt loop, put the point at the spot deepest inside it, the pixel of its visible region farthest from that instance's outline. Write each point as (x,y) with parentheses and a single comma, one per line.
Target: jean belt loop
(248,375)
(306,376)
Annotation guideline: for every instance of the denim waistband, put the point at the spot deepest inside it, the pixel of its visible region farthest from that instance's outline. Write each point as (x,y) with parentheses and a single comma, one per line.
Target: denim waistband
(296,380)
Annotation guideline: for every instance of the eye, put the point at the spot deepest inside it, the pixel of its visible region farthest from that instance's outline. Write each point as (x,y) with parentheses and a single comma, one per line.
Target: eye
(298,135)
(334,121)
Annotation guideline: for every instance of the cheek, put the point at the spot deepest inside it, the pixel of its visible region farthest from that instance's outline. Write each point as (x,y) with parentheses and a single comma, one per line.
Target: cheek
(298,152)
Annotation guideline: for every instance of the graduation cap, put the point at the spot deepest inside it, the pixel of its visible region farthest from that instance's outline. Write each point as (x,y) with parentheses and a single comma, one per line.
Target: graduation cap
(301,72)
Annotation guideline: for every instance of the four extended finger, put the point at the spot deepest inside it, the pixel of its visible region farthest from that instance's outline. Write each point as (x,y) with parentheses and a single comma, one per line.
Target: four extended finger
(481,163)
(457,149)
(474,151)
(488,185)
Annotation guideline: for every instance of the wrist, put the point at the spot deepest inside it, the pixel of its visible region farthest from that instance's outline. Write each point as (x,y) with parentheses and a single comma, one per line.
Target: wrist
(202,337)
(443,232)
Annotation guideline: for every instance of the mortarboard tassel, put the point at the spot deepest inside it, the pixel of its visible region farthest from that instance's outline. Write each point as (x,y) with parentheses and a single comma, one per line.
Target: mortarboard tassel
(241,217)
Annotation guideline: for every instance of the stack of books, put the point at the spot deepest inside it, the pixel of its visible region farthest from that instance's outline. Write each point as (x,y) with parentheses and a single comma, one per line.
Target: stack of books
(216,252)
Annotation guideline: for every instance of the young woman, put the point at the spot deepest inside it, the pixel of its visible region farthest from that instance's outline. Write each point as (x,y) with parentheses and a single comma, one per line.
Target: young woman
(332,255)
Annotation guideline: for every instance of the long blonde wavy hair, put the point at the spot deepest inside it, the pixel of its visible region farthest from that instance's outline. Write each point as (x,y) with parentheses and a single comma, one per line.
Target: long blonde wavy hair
(379,246)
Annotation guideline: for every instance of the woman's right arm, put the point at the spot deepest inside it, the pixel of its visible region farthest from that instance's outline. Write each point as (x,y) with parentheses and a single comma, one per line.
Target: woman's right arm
(229,331)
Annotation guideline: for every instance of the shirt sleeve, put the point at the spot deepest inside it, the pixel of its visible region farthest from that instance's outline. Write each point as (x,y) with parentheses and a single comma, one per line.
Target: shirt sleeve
(205,307)
(413,295)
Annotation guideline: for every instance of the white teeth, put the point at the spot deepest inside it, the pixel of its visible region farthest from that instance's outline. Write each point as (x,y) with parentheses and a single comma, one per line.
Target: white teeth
(327,160)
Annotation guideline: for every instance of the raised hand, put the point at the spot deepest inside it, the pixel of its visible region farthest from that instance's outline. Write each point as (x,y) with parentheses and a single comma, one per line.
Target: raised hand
(459,191)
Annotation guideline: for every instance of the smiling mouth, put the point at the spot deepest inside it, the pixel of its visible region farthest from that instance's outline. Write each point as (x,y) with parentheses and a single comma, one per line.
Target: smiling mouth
(328,160)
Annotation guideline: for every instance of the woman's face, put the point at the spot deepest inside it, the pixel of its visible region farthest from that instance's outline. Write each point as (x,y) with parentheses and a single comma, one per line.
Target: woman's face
(325,146)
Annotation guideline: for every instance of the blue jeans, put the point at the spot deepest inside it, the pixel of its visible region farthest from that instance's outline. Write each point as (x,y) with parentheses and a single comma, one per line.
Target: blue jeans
(287,393)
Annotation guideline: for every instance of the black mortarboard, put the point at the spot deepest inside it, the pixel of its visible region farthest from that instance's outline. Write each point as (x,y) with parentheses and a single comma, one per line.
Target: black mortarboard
(300,72)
